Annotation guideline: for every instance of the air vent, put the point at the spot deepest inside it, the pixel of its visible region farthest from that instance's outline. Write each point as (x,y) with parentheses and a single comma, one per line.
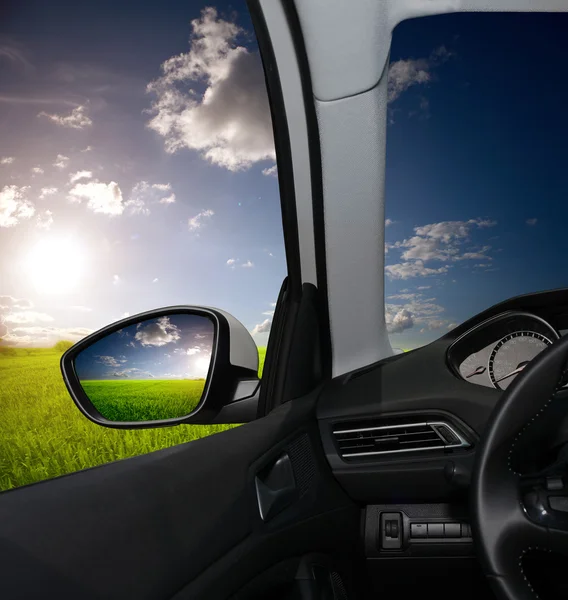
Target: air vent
(392,439)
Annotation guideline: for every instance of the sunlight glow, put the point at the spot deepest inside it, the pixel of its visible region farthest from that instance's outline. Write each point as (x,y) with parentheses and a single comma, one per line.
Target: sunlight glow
(201,366)
(55,266)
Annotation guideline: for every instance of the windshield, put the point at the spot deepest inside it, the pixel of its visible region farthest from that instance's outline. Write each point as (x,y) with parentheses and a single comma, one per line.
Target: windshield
(476,160)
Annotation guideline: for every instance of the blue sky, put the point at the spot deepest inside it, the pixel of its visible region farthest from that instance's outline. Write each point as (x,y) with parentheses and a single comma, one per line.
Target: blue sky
(131,179)
(169,347)
(488,144)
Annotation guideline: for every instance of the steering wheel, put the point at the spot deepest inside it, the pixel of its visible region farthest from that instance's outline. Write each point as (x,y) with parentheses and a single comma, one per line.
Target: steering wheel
(512,515)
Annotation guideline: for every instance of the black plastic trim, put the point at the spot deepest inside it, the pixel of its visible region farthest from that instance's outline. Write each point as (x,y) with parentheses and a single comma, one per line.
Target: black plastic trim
(317,185)
(283,324)
(282,146)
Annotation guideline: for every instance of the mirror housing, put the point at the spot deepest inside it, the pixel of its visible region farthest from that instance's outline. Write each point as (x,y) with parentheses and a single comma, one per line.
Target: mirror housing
(231,387)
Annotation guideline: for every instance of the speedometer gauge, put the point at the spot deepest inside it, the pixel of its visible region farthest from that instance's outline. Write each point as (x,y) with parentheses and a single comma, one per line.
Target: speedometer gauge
(512,354)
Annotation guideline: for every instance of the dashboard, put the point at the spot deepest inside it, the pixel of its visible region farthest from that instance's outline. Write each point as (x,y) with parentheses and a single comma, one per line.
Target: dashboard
(457,380)
(494,352)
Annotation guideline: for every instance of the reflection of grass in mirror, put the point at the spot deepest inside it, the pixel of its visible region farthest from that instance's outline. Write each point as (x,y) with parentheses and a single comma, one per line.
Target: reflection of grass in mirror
(43,434)
(144,399)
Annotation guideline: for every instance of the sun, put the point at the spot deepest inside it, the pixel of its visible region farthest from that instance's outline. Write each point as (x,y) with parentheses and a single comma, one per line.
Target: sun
(201,366)
(55,265)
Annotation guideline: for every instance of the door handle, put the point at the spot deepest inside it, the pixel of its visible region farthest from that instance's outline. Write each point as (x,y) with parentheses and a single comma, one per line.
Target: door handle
(275,487)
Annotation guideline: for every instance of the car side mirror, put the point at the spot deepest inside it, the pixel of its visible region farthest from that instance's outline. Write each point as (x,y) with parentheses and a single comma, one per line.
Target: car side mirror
(165,367)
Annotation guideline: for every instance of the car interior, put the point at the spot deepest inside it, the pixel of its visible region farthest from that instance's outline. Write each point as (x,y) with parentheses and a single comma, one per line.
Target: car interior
(358,472)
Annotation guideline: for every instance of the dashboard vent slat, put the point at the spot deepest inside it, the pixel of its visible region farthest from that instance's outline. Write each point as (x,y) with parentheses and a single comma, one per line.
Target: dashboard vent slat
(392,439)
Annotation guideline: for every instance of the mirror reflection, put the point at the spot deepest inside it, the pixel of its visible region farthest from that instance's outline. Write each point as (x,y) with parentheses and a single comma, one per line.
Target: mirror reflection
(152,370)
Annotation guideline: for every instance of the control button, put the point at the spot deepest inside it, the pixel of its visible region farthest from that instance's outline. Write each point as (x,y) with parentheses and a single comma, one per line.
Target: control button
(466,530)
(418,530)
(391,531)
(558,503)
(452,530)
(435,530)
(554,483)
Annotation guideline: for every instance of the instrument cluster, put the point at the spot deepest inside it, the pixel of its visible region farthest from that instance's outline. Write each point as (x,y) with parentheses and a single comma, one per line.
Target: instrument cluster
(496,351)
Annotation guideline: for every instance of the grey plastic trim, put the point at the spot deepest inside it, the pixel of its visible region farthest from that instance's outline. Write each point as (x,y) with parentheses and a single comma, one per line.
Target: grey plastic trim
(289,73)
(243,349)
(463,443)
(353,162)
(348,43)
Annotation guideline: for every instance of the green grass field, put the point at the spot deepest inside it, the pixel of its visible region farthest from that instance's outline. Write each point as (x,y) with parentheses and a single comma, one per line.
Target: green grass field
(43,434)
(144,399)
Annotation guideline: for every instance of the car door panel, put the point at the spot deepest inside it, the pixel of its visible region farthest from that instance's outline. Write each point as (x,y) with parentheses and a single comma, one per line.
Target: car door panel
(181,522)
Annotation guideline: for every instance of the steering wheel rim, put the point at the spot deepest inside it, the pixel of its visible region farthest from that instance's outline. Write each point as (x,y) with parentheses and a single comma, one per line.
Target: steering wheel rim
(509,519)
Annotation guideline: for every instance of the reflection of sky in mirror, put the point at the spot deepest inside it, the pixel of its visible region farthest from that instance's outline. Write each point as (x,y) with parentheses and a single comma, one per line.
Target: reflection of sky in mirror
(169,347)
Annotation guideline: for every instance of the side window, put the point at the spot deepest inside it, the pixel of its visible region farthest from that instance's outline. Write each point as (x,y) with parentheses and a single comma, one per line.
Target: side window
(474,182)
(137,170)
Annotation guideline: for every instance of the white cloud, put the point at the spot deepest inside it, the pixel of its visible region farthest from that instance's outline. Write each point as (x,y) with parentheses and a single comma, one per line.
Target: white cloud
(168,199)
(9,302)
(531,221)
(407,270)
(406,73)
(43,336)
(446,231)
(116,281)
(45,220)
(157,333)
(111,361)
(442,241)
(37,171)
(406,296)
(231,262)
(27,316)
(263,327)
(7,160)
(423,287)
(415,311)
(76,119)
(273,304)
(133,371)
(105,198)
(14,206)
(195,223)
(137,206)
(193,351)
(155,280)
(144,193)
(247,265)
(47,191)
(61,162)
(80,175)
(389,222)
(80,308)
(229,123)
(271,171)
(87,149)
(400,321)
(269,313)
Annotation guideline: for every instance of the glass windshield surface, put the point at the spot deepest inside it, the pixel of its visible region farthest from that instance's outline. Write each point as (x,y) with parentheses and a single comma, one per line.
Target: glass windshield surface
(476,161)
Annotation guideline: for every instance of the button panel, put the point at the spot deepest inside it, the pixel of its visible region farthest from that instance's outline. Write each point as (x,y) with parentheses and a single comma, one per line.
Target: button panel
(439,531)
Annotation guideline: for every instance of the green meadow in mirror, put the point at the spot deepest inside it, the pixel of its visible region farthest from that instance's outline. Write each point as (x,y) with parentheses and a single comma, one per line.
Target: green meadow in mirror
(153,370)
